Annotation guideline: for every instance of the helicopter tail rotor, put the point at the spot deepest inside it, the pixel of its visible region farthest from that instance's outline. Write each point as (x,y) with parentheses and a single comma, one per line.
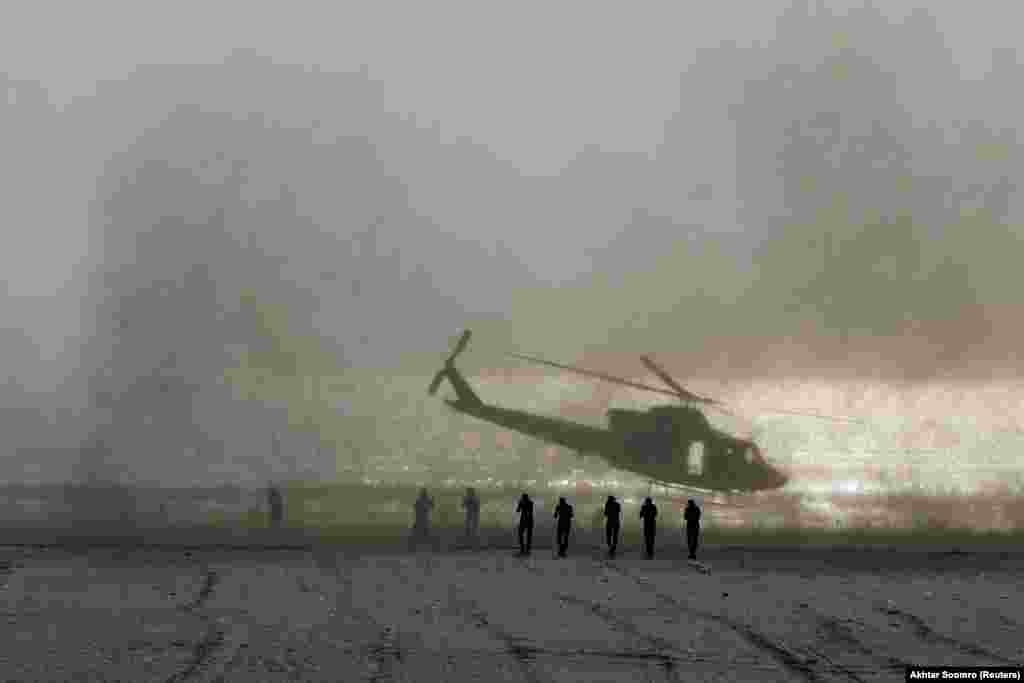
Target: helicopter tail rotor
(460,346)
(438,378)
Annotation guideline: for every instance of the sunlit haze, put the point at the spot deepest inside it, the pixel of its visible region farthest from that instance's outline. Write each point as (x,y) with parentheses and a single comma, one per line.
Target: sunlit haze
(225,223)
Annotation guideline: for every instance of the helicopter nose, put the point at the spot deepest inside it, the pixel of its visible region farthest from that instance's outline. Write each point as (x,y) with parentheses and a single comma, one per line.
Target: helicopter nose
(781,479)
(774,479)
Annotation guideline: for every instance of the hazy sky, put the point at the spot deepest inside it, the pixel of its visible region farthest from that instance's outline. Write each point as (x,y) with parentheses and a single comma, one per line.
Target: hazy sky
(572,122)
(535,81)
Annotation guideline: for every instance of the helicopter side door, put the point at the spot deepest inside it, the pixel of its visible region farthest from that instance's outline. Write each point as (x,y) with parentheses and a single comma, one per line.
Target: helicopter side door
(666,435)
(645,441)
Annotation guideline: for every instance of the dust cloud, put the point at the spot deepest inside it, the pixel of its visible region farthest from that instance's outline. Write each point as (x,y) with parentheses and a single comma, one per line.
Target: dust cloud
(829,200)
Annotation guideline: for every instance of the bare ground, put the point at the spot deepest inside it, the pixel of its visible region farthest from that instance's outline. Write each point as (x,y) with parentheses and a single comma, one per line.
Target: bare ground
(326,614)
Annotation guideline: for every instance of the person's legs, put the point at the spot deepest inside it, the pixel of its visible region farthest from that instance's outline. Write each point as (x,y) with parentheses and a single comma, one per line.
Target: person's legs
(522,534)
(529,538)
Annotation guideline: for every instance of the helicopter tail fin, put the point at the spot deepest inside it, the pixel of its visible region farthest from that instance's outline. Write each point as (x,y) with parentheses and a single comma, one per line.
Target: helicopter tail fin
(465,396)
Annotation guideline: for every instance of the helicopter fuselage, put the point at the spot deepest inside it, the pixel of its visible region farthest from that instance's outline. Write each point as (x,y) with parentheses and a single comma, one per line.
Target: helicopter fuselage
(675,445)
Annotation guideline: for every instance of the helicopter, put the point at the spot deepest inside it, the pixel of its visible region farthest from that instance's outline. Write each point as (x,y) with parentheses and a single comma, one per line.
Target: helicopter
(656,444)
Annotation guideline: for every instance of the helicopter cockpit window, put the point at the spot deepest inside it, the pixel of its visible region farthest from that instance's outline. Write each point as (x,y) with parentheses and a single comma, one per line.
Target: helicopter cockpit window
(695,461)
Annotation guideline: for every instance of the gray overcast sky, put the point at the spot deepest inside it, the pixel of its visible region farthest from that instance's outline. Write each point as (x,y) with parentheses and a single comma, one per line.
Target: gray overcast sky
(534,81)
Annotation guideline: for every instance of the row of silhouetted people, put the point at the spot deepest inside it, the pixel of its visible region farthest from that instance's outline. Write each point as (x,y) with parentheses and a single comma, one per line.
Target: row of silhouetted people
(563,515)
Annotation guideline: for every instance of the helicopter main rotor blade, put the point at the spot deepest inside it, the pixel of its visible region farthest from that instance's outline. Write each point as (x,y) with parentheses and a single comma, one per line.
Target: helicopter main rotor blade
(594,374)
(685,395)
(814,415)
(436,382)
(460,346)
(667,379)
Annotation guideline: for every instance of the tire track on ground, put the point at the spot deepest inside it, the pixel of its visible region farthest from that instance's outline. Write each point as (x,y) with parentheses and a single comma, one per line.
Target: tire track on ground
(213,637)
(6,570)
(391,654)
(210,579)
(662,647)
(385,653)
(387,656)
(660,653)
(931,636)
(518,648)
(665,652)
(837,631)
(202,651)
(1007,621)
(789,660)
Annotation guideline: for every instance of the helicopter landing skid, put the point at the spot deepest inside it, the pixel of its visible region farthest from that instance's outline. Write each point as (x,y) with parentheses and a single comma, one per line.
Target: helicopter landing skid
(711,497)
(681,488)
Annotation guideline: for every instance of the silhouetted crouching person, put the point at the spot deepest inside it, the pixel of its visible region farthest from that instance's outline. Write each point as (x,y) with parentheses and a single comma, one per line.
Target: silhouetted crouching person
(525,510)
(692,517)
(613,524)
(649,513)
(471,503)
(564,515)
(423,507)
(275,504)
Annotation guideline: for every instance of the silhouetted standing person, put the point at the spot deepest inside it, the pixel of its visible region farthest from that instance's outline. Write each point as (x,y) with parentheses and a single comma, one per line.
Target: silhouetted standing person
(692,517)
(649,513)
(471,503)
(564,515)
(525,510)
(612,524)
(275,504)
(423,507)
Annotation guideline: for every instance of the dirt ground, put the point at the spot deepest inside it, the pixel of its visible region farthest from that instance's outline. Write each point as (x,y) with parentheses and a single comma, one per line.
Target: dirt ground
(122,614)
